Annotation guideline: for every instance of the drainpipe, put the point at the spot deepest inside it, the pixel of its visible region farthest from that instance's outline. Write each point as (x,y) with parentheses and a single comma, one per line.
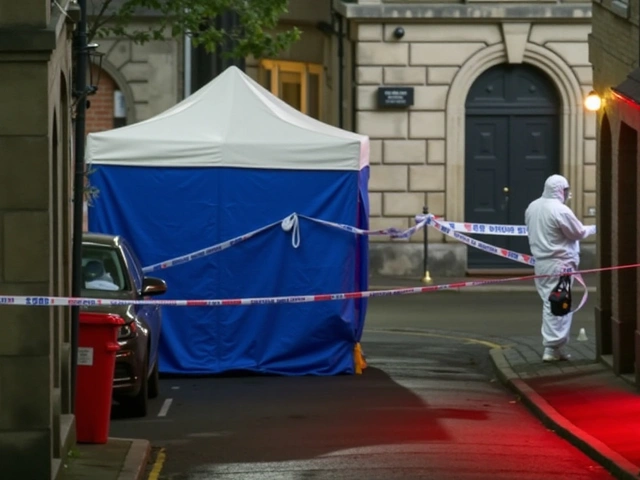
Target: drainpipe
(80,50)
(187,65)
(340,69)
(354,78)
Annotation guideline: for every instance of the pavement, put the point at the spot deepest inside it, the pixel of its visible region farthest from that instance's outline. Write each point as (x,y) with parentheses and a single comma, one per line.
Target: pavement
(118,459)
(581,400)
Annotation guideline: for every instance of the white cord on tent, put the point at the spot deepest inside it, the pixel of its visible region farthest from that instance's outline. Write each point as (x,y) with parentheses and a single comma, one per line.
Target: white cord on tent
(292,223)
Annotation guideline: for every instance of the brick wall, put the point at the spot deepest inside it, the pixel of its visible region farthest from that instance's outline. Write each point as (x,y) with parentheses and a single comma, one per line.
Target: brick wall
(613,44)
(614,52)
(100,113)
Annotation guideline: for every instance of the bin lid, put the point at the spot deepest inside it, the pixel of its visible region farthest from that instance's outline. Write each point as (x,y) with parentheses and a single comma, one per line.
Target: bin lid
(100,318)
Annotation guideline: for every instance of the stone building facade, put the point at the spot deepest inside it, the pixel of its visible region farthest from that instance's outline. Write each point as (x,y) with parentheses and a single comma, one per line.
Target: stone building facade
(431,153)
(36,425)
(496,85)
(615,54)
(136,82)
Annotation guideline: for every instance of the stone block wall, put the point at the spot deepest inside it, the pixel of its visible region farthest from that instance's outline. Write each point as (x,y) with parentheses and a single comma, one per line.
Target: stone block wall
(35,238)
(148,75)
(417,153)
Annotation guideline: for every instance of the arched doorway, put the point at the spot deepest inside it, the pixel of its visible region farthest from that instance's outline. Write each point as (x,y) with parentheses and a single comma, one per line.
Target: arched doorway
(512,145)
(625,250)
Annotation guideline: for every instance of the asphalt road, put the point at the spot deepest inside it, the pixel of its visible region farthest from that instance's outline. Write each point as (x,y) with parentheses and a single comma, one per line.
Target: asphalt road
(492,315)
(428,407)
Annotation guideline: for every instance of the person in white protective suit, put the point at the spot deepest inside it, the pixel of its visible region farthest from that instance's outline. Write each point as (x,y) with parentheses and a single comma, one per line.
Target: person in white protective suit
(554,237)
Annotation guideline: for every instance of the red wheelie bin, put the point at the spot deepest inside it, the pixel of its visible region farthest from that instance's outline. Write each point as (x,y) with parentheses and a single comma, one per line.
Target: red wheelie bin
(97,347)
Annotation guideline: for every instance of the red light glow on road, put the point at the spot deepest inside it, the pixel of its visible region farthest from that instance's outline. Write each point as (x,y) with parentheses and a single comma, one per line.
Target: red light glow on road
(612,415)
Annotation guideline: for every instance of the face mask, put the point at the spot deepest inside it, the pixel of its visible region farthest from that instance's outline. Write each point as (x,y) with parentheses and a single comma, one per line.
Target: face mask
(567,195)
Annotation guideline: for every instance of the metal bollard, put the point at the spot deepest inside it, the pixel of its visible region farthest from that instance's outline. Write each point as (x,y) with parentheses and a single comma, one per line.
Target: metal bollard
(425,255)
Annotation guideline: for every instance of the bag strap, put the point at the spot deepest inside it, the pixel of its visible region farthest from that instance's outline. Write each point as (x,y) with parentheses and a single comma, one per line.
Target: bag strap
(585,295)
(580,280)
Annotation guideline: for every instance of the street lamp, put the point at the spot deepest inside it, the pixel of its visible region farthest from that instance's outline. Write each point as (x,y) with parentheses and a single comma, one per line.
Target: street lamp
(95,59)
(83,52)
(593,102)
(88,54)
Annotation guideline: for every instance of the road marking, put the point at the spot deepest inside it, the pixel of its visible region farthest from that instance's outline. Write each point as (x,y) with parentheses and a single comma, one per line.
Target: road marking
(157,466)
(436,335)
(165,407)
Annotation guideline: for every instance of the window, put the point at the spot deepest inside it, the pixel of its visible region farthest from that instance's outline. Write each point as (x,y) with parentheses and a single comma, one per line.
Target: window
(298,84)
(620,7)
(102,269)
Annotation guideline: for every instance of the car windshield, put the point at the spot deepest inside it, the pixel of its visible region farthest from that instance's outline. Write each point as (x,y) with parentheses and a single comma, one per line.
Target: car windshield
(102,269)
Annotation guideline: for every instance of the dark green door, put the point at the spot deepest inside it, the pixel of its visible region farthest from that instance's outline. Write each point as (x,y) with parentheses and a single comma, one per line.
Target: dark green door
(512,146)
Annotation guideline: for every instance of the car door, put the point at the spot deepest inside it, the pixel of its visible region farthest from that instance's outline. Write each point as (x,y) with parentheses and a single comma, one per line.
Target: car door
(150,314)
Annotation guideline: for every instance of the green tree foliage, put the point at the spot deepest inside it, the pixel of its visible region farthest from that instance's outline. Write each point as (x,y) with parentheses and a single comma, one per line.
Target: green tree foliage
(254,34)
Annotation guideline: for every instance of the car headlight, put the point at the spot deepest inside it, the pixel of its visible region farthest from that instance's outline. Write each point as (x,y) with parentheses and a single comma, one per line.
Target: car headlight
(127,331)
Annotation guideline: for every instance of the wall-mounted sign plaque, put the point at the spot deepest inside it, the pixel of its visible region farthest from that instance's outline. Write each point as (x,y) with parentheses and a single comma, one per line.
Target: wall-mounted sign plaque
(395,97)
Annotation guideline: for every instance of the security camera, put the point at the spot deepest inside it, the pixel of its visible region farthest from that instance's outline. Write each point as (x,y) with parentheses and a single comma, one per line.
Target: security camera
(398,33)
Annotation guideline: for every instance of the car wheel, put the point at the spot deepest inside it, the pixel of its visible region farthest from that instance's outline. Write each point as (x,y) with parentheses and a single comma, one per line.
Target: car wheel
(154,382)
(137,406)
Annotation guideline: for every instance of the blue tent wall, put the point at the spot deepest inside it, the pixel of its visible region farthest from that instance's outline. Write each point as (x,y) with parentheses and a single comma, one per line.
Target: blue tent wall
(362,250)
(166,212)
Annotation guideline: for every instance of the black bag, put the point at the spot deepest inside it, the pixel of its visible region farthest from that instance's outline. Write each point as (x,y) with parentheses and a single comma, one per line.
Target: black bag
(560,297)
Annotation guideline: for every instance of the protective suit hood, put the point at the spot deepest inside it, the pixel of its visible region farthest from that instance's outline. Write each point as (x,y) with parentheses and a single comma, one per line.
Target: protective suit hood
(554,187)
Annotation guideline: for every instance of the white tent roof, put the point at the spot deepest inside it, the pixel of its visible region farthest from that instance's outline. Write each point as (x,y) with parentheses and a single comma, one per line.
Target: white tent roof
(231,122)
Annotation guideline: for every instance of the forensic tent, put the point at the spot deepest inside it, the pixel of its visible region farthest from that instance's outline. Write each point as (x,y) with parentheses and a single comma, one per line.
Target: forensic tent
(229,160)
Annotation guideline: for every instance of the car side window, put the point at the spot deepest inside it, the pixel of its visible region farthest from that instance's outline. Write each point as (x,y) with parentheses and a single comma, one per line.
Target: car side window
(134,267)
(102,268)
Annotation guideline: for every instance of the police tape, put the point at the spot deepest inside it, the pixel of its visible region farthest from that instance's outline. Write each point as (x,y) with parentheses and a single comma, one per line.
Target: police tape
(472,242)
(488,229)
(289,224)
(585,295)
(206,251)
(391,232)
(451,229)
(501,252)
(42,301)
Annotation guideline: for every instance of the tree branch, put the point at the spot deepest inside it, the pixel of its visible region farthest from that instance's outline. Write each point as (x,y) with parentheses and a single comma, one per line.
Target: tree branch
(99,20)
